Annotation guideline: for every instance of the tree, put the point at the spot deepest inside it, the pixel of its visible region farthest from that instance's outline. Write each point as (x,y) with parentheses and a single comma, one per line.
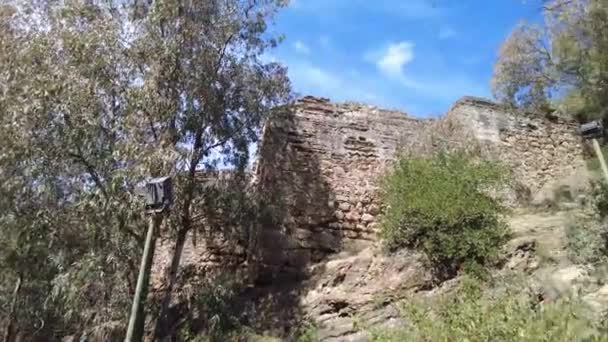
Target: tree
(563,63)
(96,96)
(523,76)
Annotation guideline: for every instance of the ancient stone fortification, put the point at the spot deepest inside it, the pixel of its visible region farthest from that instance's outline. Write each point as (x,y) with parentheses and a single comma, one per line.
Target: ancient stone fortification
(538,150)
(319,165)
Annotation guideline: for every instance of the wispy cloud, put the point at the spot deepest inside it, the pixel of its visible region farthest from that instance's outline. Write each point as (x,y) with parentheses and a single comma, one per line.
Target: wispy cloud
(394,57)
(408,70)
(340,86)
(391,63)
(300,47)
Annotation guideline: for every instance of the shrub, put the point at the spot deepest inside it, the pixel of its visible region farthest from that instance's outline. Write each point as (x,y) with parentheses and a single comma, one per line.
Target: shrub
(587,237)
(600,198)
(442,206)
(585,242)
(213,310)
(510,314)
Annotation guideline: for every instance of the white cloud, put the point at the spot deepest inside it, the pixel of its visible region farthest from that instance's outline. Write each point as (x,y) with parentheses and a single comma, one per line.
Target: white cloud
(446,33)
(445,86)
(392,60)
(320,78)
(301,47)
(309,79)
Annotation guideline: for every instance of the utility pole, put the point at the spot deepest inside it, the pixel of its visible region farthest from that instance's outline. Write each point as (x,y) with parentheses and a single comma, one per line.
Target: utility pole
(592,131)
(136,321)
(600,156)
(158,195)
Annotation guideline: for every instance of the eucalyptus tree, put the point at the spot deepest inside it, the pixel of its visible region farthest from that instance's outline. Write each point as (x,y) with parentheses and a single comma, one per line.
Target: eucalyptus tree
(562,61)
(96,96)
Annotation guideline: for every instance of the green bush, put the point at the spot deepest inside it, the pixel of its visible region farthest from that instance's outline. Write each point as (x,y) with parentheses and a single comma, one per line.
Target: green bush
(442,206)
(600,198)
(586,242)
(511,314)
(593,164)
(587,237)
(213,313)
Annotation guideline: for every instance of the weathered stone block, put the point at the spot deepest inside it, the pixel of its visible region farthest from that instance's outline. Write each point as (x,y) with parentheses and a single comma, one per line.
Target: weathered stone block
(344,206)
(353,216)
(367,218)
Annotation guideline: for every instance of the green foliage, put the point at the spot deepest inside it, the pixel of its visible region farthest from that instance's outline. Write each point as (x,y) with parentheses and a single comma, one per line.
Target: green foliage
(586,242)
(593,164)
(95,97)
(562,63)
(213,310)
(600,198)
(441,206)
(307,333)
(587,237)
(477,314)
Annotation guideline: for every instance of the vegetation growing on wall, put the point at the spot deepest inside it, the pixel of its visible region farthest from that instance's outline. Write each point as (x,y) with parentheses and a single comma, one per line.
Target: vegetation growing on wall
(441,206)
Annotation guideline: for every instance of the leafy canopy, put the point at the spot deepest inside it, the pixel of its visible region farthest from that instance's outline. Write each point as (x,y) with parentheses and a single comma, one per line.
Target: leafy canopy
(563,63)
(96,96)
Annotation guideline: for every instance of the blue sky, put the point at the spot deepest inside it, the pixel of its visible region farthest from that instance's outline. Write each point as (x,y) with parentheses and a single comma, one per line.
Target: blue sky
(418,56)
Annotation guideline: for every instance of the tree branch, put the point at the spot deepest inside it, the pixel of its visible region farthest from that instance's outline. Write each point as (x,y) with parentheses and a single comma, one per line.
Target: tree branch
(557,5)
(91,170)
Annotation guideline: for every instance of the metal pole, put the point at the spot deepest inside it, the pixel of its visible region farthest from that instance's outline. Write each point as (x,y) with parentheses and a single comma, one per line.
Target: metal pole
(135,330)
(600,157)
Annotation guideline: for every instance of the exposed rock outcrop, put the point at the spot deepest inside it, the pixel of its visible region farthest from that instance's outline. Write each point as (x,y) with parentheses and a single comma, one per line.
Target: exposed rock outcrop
(378,281)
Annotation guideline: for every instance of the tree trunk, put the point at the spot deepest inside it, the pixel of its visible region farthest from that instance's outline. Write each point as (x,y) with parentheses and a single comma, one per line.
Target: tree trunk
(171,279)
(8,334)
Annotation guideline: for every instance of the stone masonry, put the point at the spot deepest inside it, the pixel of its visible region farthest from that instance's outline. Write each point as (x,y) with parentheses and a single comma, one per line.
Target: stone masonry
(320,162)
(538,150)
(319,165)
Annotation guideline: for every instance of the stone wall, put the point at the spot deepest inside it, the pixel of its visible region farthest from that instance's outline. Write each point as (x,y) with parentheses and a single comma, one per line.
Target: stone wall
(319,165)
(538,150)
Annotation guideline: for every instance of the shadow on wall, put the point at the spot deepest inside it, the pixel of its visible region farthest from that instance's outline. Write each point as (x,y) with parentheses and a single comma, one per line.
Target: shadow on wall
(264,233)
(296,208)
